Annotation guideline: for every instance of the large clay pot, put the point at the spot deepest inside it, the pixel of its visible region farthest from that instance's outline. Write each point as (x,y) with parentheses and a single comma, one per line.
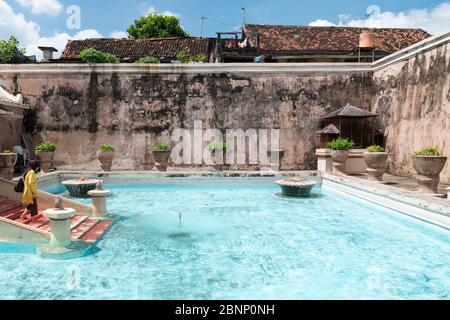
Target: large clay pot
(376,162)
(428,169)
(46,159)
(339,160)
(7,163)
(161,159)
(106,159)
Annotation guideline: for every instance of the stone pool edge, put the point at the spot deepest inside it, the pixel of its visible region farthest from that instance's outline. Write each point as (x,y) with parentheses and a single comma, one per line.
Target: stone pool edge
(423,207)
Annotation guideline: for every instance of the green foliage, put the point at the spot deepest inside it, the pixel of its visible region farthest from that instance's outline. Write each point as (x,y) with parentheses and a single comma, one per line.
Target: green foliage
(92,55)
(156,26)
(161,147)
(216,146)
(428,151)
(149,60)
(9,50)
(375,148)
(341,144)
(46,146)
(184,57)
(198,58)
(107,148)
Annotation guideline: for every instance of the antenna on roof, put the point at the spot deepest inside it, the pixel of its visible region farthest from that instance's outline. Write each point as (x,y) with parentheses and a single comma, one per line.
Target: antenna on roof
(203,21)
(244,14)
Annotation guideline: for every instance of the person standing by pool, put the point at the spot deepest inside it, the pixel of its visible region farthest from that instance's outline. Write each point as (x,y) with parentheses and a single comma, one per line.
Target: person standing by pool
(29,196)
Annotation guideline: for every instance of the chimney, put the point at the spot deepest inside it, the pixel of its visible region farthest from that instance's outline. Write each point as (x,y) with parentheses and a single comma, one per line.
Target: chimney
(48,53)
(367,40)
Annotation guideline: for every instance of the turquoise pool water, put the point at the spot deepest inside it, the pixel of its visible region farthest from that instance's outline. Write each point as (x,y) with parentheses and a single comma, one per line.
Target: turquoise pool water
(238,240)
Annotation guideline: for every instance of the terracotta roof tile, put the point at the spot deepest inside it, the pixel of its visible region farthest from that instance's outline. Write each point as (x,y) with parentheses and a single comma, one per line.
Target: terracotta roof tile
(302,38)
(131,50)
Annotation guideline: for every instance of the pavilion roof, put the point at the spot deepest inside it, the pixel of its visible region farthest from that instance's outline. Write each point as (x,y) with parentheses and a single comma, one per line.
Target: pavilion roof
(350,111)
(330,129)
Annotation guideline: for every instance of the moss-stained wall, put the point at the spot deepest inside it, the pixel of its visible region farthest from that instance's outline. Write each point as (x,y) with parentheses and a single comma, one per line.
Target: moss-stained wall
(413,97)
(10,133)
(81,111)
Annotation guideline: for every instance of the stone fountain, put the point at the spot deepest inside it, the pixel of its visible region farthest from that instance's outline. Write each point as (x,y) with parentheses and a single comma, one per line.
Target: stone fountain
(80,188)
(296,187)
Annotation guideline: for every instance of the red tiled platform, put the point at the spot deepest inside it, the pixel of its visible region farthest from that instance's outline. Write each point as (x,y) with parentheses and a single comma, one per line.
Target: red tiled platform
(83,228)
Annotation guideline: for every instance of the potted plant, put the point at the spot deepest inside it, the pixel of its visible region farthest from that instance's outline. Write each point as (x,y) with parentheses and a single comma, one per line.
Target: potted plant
(45,152)
(340,151)
(218,149)
(8,160)
(105,155)
(375,158)
(428,164)
(161,154)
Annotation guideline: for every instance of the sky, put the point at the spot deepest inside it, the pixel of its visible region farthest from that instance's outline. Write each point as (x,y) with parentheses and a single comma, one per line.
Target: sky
(54,22)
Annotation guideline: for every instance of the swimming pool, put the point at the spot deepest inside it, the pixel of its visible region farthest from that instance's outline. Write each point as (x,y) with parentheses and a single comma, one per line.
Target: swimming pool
(236,239)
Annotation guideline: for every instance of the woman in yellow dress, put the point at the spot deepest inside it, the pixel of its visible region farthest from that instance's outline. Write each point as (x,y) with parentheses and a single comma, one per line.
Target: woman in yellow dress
(30,189)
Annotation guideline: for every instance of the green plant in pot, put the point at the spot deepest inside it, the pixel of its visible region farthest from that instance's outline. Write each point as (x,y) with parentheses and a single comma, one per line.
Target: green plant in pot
(218,153)
(375,158)
(428,163)
(45,153)
(8,160)
(161,154)
(340,151)
(105,155)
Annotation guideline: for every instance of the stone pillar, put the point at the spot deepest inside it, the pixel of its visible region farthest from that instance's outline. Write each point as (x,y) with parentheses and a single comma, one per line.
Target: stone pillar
(99,201)
(324,161)
(60,226)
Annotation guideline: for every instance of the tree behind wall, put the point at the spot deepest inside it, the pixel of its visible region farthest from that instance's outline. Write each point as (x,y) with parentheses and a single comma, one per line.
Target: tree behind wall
(10,52)
(156,26)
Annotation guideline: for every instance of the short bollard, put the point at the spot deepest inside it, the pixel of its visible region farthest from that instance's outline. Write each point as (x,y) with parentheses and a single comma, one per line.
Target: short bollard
(60,226)
(99,200)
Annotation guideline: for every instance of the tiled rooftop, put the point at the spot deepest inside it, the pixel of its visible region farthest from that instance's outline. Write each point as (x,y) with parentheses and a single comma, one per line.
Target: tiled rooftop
(130,50)
(304,38)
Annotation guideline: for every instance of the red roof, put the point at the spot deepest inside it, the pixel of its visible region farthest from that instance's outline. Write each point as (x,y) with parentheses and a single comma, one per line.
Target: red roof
(130,50)
(302,38)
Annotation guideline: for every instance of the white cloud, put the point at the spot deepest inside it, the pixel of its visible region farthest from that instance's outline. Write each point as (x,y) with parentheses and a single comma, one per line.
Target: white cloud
(152,10)
(119,34)
(50,7)
(435,20)
(59,41)
(16,24)
(321,23)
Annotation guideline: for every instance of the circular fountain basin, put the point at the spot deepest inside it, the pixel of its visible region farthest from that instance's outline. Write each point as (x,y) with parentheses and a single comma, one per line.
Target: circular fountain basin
(296,187)
(80,188)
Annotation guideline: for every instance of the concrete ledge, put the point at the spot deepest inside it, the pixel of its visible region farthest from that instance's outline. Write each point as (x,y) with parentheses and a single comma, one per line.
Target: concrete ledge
(284,68)
(12,231)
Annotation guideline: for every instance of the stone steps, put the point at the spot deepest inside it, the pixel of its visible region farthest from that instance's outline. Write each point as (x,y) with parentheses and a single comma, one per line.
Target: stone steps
(83,228)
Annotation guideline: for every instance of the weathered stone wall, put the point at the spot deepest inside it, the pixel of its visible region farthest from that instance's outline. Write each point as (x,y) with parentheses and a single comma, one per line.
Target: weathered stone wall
(81,107)
(413,97)
(80,111)
(9,133)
